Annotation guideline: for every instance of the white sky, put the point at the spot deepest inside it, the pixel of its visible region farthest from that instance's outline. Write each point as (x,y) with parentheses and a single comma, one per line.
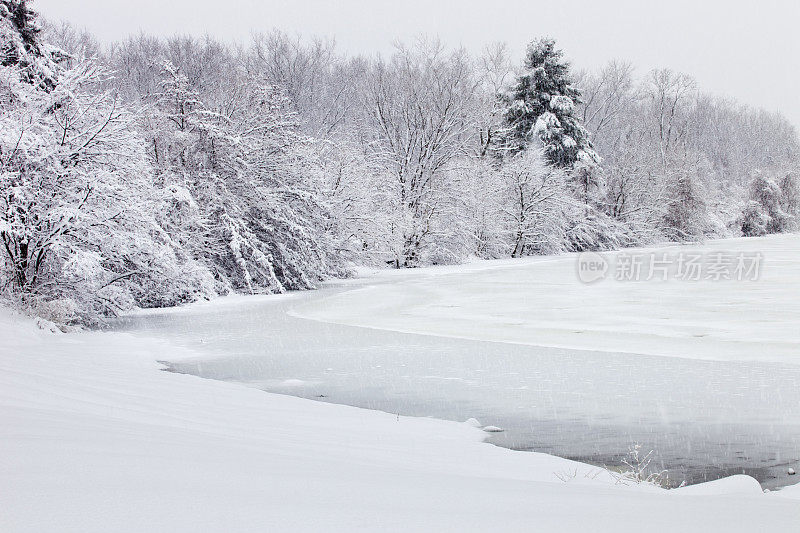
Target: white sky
(747,50)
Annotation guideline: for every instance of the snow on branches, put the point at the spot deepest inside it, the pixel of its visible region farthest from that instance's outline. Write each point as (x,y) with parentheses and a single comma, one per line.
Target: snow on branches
(541,108)
(168,170)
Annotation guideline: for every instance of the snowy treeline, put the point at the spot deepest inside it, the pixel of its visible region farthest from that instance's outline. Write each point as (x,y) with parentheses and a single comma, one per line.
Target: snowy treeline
(158,171)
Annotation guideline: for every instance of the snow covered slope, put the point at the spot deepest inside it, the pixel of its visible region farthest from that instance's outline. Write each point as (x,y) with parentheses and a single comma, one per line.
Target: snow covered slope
(97,438)
(540,301)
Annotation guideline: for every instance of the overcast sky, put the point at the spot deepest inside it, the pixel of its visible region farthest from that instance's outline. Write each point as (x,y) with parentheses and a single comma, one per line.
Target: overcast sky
(747,50)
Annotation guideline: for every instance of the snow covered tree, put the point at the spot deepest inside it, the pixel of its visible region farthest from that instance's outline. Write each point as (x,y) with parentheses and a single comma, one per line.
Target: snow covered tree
(480,191)
(542,106)
(272,169)
(260,222)
(76,226)
(607,96)
(75,44)
(201,168)
(319,83)
(669,98)
(79,237)
(495,73)
(419,110)
(790,196)
(764,213)
(20,45)
(535,193)
(360,203)
(685,217)
(175,125)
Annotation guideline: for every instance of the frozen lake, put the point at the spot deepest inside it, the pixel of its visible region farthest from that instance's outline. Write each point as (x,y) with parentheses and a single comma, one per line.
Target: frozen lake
(703,419)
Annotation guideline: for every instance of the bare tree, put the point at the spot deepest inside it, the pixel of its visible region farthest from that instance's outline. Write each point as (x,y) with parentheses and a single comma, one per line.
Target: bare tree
(669,97)
(495,74)
(420,108)
(535,204)
(607,94)
(318,81)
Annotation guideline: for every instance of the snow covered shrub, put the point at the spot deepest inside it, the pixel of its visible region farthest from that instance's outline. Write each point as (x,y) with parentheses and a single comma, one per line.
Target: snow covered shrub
(636,469)
(764,212)
(686,216)
(753,221)
(591,229)
(589,225)
(58,312)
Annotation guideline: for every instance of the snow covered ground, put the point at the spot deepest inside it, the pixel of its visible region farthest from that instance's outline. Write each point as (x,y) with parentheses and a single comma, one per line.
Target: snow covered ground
(540,301)
(96,438)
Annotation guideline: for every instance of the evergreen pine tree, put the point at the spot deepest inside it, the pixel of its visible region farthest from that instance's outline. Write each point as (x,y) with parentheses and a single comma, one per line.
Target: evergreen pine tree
(542,106)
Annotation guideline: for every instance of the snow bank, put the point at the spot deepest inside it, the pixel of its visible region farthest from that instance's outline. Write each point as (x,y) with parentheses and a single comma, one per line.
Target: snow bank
(738,484)
(792,492)
(97,438)
(540,301)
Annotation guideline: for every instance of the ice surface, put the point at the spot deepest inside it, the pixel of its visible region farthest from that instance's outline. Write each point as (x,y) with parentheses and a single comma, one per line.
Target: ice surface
(720,414)
(540,301)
